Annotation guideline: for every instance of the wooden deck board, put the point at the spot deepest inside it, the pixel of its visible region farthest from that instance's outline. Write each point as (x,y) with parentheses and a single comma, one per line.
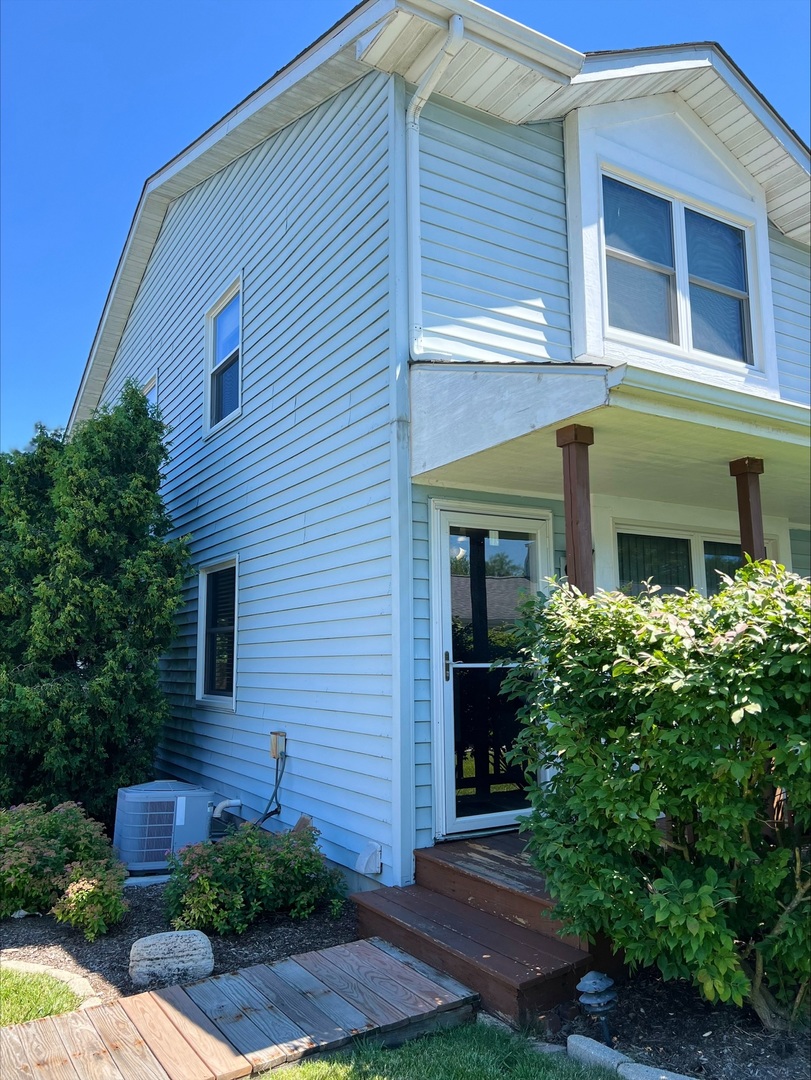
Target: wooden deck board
(13,1057)
(177,1057)
(127,1047)
(216,1051)
(228,1026)
(46,1053)
(91,1058)
(342,1012)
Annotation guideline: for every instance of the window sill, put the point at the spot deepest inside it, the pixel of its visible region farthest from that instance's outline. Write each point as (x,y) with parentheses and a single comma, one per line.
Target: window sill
(209,433)
(213,704)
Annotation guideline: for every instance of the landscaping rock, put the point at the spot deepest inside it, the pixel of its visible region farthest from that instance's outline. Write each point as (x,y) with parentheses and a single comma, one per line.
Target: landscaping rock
(591,1052)
(176,956)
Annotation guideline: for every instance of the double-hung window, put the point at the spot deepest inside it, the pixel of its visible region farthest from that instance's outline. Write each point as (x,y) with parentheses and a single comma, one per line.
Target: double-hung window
(217,632)
(223,360)
(674,273)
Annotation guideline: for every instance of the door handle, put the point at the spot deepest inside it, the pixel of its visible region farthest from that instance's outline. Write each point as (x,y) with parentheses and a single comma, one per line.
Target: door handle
(447,667)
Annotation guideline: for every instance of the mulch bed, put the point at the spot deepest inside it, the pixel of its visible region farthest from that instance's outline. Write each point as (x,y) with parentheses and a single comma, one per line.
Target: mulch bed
(662,1024)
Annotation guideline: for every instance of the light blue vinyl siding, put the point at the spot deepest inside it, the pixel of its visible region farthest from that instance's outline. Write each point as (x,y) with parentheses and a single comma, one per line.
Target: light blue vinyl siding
(298,487)
(494,251)
(801,551)
(423,739)
(791,290)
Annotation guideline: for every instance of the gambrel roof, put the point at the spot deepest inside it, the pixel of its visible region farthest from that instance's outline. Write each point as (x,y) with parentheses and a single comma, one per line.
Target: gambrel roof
(502,68)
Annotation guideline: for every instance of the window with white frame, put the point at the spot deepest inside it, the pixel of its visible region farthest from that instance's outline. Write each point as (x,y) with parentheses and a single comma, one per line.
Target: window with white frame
(675,562)
(150,390)
(668,246)
(674,273)
(217,631)
(223,346)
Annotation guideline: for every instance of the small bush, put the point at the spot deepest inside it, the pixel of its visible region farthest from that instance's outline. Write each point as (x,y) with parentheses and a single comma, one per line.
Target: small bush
(60,860)
(226,885)
(676,813)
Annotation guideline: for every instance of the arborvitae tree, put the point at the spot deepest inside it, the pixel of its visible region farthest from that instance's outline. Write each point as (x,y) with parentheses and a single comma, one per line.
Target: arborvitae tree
(89,586)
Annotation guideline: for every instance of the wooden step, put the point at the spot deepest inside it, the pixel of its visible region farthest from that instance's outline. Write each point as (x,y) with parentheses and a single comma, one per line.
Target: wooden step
(492,874)
(518,972)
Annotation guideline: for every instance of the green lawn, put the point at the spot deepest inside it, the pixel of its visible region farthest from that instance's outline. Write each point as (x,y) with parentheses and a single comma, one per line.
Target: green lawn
(472,1052)
(24,996)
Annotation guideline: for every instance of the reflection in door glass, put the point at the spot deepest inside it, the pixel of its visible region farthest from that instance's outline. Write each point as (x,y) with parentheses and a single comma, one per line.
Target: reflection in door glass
(491,573)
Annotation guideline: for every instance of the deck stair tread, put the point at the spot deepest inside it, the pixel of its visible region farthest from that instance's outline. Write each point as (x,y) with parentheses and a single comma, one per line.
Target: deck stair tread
(508,953)
(245,1022)
(508,869)
(480,912)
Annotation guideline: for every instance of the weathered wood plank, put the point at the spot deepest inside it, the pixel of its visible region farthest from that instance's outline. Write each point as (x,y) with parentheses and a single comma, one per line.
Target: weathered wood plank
(176,1054)
(89,1055)
(13,1058)
(127,1047)
(342,1012)
(47,1054)
(282,1032)
(385,985)
(382,1013)
(240,1030)
(381,965)
(464,994)
(216,1051)
(323,1031)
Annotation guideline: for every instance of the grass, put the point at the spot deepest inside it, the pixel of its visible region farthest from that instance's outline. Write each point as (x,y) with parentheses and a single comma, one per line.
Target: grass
(24,996)
(472,1052)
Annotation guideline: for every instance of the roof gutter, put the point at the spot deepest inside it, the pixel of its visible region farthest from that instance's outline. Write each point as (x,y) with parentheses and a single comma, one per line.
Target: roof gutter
(449,48)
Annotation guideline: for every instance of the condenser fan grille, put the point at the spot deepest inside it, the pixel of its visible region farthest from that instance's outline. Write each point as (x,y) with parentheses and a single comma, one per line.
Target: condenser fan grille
(156,818)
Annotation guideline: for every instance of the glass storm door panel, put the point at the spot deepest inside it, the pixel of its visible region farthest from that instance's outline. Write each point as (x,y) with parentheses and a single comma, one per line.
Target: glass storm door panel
(491,566)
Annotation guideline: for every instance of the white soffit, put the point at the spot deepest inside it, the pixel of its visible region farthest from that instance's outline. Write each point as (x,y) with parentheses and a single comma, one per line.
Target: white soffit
(709,82)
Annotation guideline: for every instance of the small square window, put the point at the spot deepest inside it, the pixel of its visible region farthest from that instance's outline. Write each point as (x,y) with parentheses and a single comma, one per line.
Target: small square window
(223,360)
(217,632)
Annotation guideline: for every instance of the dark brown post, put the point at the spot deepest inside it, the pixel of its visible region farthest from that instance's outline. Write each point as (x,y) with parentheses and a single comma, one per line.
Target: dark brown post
(575,441)
(746,471)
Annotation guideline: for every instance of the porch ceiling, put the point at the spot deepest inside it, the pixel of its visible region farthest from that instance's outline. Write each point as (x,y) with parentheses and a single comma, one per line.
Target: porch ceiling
(638,452)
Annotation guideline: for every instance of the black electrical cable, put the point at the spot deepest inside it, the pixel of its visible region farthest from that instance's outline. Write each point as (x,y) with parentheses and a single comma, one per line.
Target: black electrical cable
(270,809)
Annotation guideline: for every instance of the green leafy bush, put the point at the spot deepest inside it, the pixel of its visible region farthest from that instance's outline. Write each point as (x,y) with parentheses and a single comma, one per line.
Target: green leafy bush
(675,812)
(60,860)
(89,586)
(227,884)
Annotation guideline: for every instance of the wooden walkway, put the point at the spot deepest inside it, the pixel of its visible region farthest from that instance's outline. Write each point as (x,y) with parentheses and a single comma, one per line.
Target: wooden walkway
(243,1023)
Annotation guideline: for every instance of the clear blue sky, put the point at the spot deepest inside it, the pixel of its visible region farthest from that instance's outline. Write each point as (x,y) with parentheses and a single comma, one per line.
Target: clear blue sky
(99,94)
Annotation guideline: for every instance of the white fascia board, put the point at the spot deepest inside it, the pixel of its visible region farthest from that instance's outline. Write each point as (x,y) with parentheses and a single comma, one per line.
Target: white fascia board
(628,381)
(490,26)
(604,67)
(360,22)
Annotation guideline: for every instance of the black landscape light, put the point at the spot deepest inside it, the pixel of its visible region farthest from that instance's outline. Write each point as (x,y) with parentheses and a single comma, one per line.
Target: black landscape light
(597,998)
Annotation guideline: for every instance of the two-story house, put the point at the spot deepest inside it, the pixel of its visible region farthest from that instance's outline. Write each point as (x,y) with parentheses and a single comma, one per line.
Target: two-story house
(443,309)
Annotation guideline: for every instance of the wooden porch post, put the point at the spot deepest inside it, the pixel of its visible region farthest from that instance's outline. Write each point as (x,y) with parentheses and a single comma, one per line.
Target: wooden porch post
(575,441)
(746,472)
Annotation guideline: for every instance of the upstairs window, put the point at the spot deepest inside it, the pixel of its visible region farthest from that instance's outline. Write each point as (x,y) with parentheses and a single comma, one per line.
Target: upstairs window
(224,359)
(675,274)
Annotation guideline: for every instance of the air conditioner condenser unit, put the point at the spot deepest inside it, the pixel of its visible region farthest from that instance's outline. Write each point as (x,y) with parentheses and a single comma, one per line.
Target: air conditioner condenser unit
(156,818)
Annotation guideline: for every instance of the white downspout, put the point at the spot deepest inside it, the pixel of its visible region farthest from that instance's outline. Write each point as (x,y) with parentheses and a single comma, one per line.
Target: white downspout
(447,51)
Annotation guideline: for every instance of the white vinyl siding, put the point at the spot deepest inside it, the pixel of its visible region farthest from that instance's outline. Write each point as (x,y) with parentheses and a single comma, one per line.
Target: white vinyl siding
(298,485)
(422,633)
(494,262)
(791,289)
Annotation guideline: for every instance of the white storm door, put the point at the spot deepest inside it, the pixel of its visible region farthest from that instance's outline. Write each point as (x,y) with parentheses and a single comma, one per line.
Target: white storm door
(487,564)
